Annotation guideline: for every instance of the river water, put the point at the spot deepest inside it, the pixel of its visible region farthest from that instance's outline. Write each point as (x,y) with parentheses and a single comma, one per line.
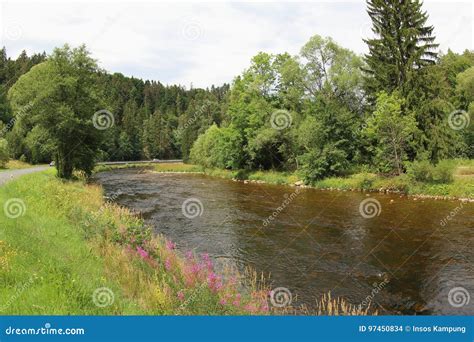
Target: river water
(411,257)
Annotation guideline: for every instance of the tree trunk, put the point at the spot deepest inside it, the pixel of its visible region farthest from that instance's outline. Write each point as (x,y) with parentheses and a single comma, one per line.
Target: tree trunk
(64,165)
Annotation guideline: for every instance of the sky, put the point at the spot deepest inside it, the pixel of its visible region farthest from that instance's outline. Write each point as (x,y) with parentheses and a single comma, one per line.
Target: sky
(203,43)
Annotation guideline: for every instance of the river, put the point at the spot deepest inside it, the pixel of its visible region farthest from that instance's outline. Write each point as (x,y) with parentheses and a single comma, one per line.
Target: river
(403,255)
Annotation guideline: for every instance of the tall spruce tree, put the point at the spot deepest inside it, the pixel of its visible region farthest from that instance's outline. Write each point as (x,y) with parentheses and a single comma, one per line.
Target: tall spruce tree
(403,44)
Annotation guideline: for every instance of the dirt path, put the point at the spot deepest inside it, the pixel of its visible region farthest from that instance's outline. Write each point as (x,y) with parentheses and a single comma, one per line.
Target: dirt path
(5,176)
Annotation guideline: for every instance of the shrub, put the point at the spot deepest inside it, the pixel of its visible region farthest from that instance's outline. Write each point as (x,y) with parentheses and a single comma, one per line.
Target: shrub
(444,172)
(421,171)
(218,147)
(424,171)
(3,153)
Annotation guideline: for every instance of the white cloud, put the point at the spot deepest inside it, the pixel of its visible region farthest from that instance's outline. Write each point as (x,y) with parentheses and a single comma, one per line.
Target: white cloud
(202,43)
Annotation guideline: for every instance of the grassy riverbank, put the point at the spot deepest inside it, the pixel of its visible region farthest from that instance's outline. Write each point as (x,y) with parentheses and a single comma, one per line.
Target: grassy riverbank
(68,252)
(16,165)
(461,185)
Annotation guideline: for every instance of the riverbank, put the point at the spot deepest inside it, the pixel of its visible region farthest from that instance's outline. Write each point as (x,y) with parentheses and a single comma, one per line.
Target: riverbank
(17,165)
(461,187)
(66,251)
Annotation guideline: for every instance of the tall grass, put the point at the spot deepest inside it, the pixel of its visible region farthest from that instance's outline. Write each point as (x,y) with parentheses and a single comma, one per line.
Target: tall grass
(69,244)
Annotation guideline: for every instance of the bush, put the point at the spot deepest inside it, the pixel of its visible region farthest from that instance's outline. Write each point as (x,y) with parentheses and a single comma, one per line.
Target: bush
(421,171)
(218,147)
(444,172)
(3,153)
(316,165)
(424,171)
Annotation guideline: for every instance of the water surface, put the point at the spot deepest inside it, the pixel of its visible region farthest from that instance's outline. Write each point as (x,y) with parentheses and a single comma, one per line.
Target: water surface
(406,259)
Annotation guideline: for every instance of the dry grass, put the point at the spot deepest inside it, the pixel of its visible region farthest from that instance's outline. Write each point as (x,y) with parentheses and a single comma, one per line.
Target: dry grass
(329,306)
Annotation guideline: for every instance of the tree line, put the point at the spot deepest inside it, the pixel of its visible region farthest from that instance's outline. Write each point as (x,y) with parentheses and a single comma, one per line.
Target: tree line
(324,112)
(47,106)
(328,112)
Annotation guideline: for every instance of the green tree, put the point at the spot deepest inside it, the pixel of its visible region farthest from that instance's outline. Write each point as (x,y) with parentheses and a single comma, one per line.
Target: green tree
(391,132)
(218,147)
(403,44)
(63,101)
(3,153)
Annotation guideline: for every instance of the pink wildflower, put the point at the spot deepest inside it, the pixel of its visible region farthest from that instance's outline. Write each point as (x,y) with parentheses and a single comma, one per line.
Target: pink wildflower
(189,255)
(180,295)
(167,264)
(222,302)
(142,252)
(236,303)
(170,245)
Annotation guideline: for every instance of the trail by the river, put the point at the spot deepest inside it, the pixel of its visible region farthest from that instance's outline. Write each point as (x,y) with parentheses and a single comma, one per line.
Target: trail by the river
(6,176)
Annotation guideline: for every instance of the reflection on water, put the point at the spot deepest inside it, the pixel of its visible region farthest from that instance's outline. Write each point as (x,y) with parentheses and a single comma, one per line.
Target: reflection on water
(315,241)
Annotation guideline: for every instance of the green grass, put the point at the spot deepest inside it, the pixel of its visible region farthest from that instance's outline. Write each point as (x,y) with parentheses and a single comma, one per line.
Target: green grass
(462,185)
(68,243)
(16,164)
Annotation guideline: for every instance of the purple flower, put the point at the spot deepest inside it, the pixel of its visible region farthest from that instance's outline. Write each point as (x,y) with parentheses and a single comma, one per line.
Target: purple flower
(189,255)
(168,264)
(142,252)
(170,245)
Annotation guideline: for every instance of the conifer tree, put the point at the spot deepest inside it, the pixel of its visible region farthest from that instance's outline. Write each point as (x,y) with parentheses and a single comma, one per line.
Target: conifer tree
(403,44)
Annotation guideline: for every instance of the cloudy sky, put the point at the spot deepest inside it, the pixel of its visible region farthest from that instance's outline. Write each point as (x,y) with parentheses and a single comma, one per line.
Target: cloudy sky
(203,43)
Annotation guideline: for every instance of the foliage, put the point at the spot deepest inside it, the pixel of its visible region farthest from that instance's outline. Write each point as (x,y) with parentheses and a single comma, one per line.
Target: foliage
(62,99)
(218,147)
(3,153)
(402,46)
(424,171)
(392,133)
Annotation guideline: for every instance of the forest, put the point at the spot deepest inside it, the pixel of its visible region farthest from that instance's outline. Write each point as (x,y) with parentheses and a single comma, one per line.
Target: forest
(325,112)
